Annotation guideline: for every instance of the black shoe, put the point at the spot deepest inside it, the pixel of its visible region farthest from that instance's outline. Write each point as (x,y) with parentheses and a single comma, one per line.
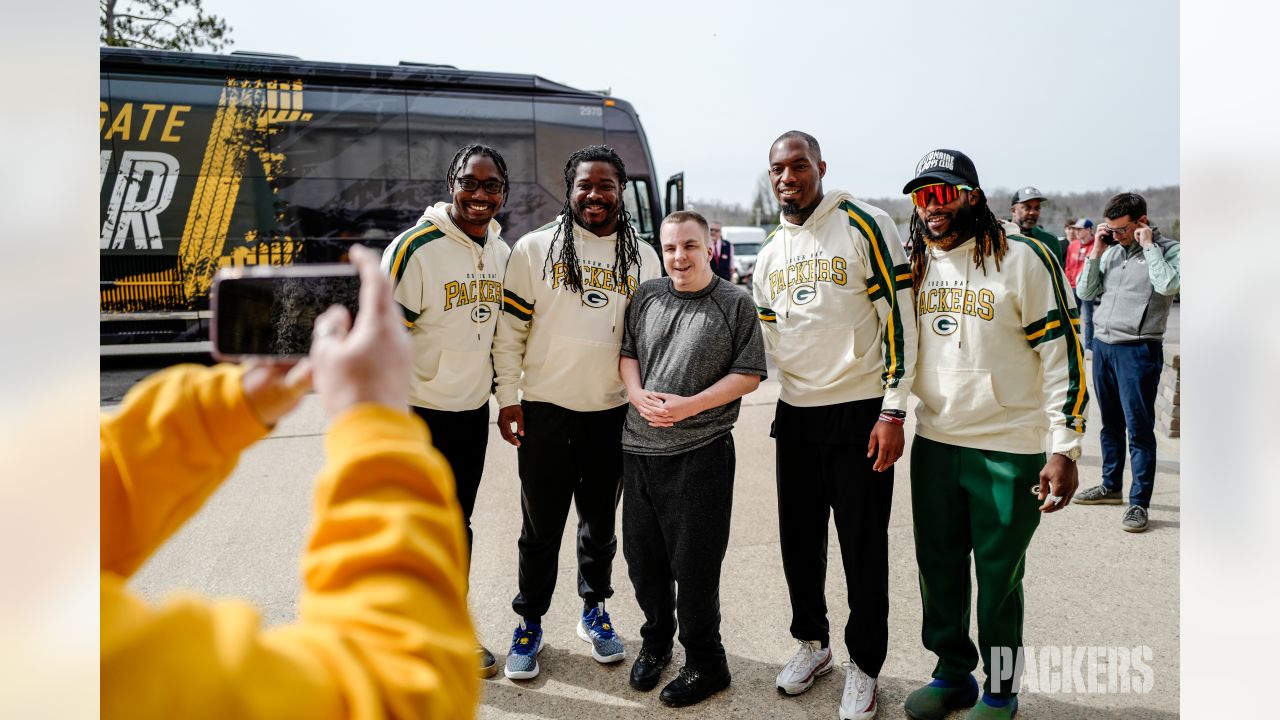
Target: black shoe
(647,668)
(694,686)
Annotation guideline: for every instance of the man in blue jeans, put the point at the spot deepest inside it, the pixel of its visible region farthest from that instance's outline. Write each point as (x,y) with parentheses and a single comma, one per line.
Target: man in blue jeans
(1133,273)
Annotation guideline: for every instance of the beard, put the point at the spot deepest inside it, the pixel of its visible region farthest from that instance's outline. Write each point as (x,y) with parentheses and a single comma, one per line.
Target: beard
(963,224)
(792,210)
(612,215)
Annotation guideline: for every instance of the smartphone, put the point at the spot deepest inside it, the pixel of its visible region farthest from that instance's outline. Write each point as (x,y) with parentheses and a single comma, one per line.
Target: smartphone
(1107,237)
(268,311)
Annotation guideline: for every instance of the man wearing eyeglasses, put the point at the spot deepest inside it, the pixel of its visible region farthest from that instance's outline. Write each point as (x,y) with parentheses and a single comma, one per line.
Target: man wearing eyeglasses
(1134,273)
(448,271)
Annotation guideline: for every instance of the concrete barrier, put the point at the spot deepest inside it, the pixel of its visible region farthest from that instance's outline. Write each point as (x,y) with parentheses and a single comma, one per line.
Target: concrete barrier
(1169,398)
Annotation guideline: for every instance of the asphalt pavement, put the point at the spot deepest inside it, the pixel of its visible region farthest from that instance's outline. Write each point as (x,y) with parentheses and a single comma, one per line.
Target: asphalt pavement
(1088,585)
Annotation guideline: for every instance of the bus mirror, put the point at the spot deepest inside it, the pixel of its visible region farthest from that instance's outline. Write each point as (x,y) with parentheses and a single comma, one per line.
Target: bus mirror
(675,193)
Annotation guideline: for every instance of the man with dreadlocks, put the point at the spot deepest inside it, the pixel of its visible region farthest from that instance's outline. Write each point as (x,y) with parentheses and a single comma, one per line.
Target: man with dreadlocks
(1000,369)
(568,285)
(447,271)
(835,308)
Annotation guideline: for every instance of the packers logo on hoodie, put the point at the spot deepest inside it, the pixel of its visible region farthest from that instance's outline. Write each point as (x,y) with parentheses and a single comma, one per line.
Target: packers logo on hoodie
(595,298)
(804,294)
(945,324)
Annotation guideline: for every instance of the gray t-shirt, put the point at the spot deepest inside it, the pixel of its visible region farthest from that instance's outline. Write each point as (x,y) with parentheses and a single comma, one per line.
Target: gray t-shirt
(686,342)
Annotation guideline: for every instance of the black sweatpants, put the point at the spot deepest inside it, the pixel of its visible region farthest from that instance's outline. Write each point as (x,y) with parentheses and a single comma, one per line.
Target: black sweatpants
(567,455)
(462,437)
(822,466)
(675,527)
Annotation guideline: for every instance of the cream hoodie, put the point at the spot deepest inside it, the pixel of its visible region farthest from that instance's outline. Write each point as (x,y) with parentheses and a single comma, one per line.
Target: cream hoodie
(450,290)
(825,292)
(1001,363)
(565,344)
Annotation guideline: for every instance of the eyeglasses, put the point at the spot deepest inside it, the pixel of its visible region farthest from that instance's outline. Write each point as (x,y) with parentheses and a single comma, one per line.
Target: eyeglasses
(941,193)
(1122,230)
(493,187)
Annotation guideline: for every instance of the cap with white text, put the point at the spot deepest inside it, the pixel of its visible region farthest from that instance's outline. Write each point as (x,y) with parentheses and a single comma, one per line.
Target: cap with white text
(943,166)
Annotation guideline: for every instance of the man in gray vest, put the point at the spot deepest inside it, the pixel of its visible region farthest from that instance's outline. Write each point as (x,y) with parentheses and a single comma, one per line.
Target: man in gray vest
(1133,273)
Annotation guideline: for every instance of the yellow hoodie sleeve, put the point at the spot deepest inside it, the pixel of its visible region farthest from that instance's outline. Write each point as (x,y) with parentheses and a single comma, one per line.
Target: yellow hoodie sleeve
(175,438)
(383,629)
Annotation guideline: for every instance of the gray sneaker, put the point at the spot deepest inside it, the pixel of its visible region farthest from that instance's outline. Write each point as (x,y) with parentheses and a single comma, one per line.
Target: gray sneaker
(1098,495)
(1135,519)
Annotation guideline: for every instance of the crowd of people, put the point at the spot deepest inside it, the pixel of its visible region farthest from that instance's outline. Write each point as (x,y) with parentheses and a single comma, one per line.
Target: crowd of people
(617,382)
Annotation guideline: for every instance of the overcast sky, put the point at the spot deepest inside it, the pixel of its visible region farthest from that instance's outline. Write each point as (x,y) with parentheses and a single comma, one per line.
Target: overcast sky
(1067,96)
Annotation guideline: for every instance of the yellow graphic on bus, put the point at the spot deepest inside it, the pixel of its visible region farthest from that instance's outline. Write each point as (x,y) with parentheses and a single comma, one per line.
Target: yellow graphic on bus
(248,113)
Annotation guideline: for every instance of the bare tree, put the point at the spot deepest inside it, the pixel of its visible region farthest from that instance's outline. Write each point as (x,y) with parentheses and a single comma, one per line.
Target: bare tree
(160,25)
(764,208)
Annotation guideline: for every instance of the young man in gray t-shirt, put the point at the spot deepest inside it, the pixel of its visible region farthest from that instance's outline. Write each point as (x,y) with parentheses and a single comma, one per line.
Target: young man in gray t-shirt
(691,349)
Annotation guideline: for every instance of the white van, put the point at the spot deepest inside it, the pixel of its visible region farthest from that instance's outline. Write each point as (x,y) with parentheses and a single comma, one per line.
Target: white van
(746,241)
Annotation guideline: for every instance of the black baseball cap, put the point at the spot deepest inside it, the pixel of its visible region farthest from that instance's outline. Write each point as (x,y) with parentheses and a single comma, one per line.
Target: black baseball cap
(947,166)
(1025,194)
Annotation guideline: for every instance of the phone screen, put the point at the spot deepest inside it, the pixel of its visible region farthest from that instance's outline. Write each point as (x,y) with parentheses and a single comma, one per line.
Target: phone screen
(271,312)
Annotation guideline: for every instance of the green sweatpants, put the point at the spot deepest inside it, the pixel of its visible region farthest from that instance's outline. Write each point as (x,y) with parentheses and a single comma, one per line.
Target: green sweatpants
(980,502)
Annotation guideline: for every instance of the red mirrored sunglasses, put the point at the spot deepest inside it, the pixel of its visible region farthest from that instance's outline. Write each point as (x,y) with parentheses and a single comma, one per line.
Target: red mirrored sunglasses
(941,193)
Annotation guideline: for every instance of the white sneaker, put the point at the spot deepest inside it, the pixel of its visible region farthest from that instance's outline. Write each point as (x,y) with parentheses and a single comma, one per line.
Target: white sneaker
(810,661)
(859,700)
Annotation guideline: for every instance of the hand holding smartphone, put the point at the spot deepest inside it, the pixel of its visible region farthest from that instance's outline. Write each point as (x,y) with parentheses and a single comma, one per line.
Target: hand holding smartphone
(268,312)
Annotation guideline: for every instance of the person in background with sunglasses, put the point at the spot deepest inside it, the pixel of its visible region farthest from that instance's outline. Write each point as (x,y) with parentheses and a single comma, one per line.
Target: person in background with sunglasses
(833,292)
(1134,272)
(1000,368)
(447,272)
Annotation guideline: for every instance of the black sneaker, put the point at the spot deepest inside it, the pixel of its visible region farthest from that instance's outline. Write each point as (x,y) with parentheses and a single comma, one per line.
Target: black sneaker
(647,668)
(1098,495)
(694,686)
(1135,519)
(488,664)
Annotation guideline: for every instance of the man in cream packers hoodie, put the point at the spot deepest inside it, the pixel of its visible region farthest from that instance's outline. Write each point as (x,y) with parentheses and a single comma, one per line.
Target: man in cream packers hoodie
(447,271)
(568,285)
(1000,370)
(833,292)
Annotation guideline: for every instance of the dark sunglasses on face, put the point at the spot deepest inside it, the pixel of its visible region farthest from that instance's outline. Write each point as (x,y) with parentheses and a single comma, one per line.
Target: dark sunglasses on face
(493,187)
(941,193)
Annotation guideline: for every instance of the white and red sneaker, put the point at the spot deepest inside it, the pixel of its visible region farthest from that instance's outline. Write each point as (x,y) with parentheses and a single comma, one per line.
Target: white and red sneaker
(859,700)
(810,661)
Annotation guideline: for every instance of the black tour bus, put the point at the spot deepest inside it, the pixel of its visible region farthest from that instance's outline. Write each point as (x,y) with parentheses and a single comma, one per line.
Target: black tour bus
(223,160)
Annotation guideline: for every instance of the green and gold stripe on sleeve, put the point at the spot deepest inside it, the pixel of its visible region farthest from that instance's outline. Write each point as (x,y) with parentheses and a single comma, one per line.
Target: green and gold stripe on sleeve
(410,317)
(1061,322)
(766,314)
(885,279)
(410,241)
(516,306)
(769,238)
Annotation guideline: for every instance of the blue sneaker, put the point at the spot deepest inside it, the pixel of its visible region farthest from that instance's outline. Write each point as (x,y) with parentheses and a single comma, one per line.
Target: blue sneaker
(522,661)
(596,628)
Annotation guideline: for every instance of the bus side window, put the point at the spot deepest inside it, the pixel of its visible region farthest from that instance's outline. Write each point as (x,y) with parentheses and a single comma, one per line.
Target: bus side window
(636,199)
